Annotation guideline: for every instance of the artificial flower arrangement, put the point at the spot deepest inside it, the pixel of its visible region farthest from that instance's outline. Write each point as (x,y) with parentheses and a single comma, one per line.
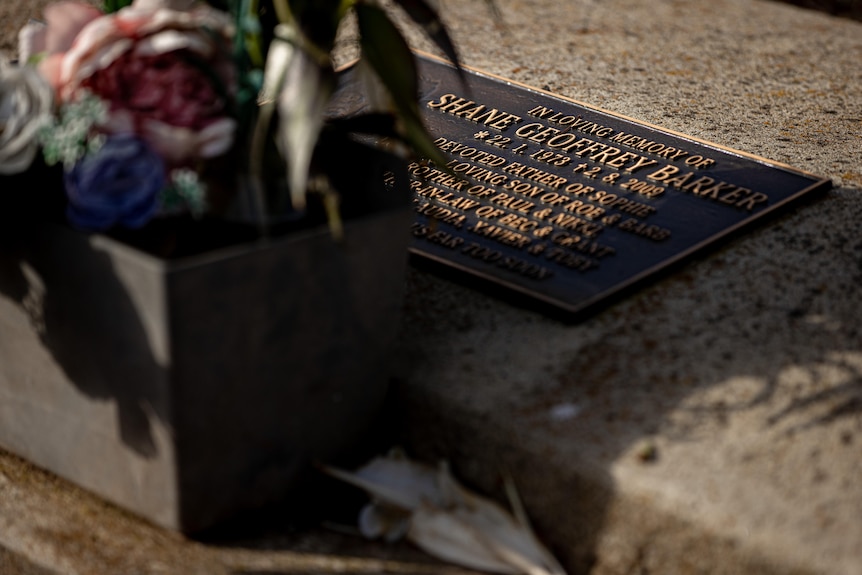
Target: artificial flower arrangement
(137,104)
(204,380)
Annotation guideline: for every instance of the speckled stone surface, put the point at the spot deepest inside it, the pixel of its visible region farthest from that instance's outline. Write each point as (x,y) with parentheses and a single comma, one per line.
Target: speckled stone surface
(710,423)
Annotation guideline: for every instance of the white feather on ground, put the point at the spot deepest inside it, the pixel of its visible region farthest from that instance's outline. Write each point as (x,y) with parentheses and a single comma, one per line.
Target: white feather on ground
(445,519)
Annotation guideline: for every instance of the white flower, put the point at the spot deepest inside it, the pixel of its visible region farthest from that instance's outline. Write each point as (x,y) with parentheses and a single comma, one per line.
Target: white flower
(25,106)
(447,520)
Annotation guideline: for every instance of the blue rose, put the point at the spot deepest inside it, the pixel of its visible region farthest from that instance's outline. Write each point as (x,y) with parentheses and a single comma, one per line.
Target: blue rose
(117,185)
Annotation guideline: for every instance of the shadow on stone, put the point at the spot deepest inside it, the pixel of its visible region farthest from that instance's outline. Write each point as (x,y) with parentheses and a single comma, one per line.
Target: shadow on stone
(624,384)
(81,312)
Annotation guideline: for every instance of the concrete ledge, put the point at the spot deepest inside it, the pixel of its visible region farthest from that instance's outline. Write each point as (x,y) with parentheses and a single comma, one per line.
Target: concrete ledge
(50,527)
(742,373)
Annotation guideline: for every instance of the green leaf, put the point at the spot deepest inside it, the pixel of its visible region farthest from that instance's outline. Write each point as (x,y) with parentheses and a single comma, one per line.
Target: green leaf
(247,39)
(390,57)
(425,16)
(377,124)
(387,52)
(420,140)
(318,19)
(110,6)
(305,93)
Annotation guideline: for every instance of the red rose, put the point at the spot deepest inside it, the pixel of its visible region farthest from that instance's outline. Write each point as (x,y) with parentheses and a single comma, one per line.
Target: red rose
(163,66)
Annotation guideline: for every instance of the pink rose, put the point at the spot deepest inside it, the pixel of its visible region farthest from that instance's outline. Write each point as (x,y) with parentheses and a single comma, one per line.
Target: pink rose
(49,40)
(63,22)
(163,66)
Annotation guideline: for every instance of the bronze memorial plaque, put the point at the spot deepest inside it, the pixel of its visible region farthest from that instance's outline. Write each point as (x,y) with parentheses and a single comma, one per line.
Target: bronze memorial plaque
(569,204)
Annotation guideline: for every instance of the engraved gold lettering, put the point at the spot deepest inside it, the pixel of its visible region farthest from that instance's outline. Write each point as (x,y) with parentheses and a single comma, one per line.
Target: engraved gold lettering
(642,187)
(582,245)
(444,99)
(622,204)
(696,186)
(592,128)
(561,140)
(644,145)
(480,191)
(734,196)
(500,234)
(621,160)
(477,173)
(576,224)
(443,197)
(463,204)
(536,132)
(642,162)
(578,189)
(573,261)
(504,123)
(517,265)
(418,169)
(606,154)
(521,206)
(575,122)
(480,252)
(680,180)
(464,151)
(429,174)
(672,154)
(577,145)
(525,268)
(518,223)
(478,113)
(543,231)
(699,162)
(541,112)
(544,213)
(751,201)
(445,239)
(523,188)
(489,212)
(470,113)
(493,118)
(543,134)
(603,198)
(663,173)
(707,188)
(580,208)
(554,117)
(602,153)
(442,178)
(527,130)
(451,103)
(513,203)
(717,188)
(551,180)
(594,147)
(553,199)
(490,117)
(639,228)
(552,158)
(442,214)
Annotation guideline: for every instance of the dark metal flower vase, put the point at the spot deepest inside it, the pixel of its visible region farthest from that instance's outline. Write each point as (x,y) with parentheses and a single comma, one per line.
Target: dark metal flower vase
(186,390)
